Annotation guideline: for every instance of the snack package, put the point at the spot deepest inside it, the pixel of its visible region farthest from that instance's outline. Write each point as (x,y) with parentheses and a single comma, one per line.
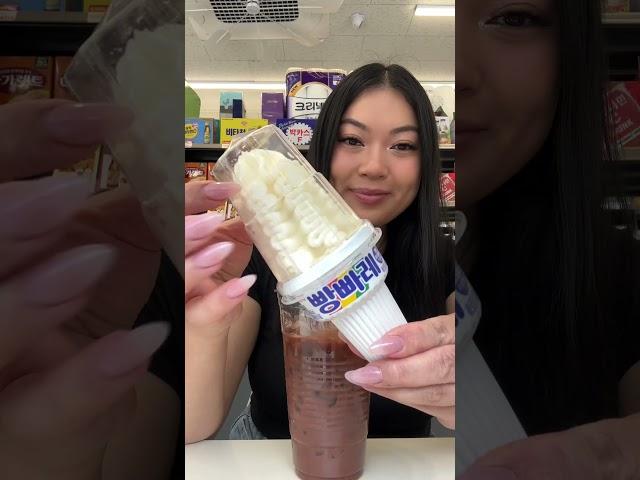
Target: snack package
(133,58)
(195,171)
(624,107)
(25,78)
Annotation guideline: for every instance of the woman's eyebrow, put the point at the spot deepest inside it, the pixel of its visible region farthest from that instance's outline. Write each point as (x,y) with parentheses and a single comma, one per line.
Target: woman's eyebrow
(355,123)
(405,128)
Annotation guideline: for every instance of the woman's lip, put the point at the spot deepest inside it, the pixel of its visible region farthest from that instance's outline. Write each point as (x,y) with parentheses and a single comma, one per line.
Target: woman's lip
(369,198)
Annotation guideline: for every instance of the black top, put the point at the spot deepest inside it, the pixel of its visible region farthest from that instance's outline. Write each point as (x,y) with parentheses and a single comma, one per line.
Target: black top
(266,371)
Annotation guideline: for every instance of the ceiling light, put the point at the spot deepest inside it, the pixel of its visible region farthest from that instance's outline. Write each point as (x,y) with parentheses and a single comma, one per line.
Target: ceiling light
(435,11)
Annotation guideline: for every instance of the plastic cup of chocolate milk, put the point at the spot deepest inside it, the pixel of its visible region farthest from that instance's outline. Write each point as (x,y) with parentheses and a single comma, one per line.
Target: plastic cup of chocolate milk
(328,416)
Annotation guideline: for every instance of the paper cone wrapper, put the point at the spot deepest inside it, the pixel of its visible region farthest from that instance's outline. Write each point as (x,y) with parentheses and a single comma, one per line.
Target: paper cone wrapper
(370,319)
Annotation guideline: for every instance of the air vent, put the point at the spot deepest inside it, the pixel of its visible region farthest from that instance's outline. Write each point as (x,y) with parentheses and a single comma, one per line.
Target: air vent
(270,11)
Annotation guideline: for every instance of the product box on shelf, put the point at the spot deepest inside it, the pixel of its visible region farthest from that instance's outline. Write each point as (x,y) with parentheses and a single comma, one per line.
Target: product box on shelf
(238,108)
(197,131)
(307,90)
(216,131)
(33,5)
(448,189)
(230,127)
(96,6)
(298,131)
(444,130)
(272,106)
(616,6)
(27,78)
(226,103)
(195,171)
(624,105)
(60,89)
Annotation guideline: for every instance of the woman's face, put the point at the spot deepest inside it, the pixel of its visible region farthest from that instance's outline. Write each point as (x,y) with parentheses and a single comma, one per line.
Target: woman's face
(376,160)
(506,75)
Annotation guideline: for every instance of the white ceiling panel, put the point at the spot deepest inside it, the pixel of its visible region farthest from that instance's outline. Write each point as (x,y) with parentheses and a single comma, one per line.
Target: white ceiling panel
(390,33)
(379,19)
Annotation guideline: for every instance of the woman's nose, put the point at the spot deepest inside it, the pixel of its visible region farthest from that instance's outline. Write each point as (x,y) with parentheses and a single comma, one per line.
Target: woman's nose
(374,164)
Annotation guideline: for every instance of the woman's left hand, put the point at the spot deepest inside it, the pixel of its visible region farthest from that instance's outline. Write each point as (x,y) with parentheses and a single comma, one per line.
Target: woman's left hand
(419,368)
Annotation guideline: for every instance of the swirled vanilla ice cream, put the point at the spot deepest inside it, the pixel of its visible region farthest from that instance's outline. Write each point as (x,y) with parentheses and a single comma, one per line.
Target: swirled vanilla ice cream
(322,254)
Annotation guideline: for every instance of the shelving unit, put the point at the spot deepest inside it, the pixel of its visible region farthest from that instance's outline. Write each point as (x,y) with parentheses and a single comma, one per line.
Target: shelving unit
(44,33)
(622,43)
(211,153)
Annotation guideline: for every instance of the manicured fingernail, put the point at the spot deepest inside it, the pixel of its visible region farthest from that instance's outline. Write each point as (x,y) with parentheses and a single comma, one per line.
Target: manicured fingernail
(86,123)
(30,209)
(213,254)
(387,345)
(221,190)
(240,286)
(488,473)
(134,349)
(67,275)
(369,375)
(199,228)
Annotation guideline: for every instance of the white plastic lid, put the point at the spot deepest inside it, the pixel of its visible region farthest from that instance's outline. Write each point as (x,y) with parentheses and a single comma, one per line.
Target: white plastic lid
(298,287)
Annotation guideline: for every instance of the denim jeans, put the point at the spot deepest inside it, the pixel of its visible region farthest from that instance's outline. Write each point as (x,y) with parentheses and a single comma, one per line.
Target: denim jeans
(244,428)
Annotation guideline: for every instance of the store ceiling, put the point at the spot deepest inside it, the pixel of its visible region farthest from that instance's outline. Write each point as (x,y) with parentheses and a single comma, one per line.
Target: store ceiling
(390,34)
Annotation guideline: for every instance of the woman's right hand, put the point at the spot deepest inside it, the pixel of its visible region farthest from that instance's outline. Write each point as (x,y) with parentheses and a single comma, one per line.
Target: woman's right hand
(216,254)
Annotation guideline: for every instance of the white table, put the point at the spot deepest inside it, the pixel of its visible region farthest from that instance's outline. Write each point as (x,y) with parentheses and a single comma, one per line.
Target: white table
(401,458)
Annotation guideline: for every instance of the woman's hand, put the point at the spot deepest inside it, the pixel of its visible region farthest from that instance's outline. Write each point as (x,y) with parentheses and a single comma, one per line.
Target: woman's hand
(216,254)
(608,449)
(419,368)
(76,271)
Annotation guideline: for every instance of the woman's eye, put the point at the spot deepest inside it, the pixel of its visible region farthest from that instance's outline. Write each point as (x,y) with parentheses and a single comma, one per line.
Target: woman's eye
(404,147)
(351,141)
(515,20)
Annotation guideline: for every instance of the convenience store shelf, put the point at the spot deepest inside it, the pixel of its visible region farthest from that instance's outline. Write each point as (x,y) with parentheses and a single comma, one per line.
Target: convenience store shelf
(211,153)
(626,18)
(622,44)
(45,33)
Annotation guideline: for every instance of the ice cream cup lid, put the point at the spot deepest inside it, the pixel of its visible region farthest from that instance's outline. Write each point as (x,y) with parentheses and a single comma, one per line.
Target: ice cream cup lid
(295,289)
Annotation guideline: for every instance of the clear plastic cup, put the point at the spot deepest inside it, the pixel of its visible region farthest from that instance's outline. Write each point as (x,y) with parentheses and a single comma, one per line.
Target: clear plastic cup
(328,416)
(133,59)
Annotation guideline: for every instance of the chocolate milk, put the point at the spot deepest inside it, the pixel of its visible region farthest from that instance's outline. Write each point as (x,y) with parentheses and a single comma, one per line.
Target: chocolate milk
(328,416)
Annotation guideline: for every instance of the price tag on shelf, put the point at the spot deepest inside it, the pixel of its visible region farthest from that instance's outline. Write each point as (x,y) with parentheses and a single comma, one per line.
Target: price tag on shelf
(8,13)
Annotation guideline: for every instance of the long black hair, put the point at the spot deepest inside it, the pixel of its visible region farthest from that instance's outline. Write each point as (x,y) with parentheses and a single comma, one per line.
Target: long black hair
(550,292)
(415,249)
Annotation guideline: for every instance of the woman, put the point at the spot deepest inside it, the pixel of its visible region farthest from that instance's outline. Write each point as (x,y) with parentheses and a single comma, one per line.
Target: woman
(554,278)
(376,141)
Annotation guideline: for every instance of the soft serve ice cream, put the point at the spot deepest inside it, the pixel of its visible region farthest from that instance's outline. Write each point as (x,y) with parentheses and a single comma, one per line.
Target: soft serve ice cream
(289,210)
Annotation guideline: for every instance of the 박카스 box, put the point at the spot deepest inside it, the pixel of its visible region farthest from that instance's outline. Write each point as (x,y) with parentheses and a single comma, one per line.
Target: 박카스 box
(307,90)
(20,76)
(230,127)
(624,104)
(299,131)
